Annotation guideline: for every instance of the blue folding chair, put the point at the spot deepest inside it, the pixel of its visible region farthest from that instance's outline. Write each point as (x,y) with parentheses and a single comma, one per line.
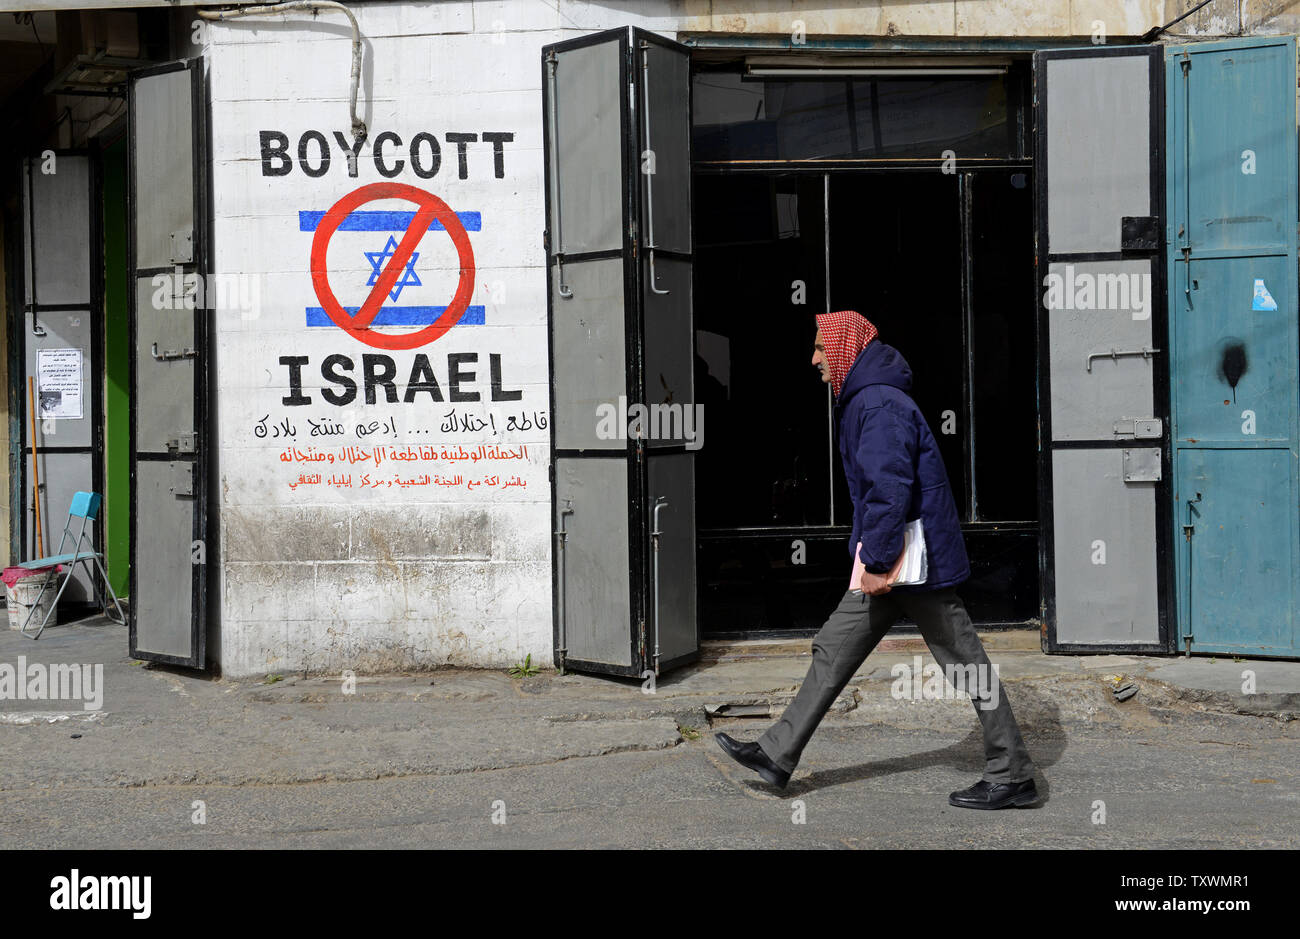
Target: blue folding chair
(85,506)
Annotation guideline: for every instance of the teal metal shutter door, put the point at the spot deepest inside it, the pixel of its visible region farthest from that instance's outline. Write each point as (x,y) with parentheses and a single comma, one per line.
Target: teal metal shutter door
(1233,324)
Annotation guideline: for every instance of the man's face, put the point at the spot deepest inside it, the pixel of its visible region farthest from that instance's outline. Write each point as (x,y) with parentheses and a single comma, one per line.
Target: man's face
(819,358)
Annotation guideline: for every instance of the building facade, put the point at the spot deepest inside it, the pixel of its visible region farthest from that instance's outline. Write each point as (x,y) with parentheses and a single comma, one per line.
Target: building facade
(351,349)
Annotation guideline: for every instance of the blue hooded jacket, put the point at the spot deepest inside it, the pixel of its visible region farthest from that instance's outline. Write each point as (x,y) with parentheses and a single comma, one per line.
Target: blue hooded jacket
(894,471)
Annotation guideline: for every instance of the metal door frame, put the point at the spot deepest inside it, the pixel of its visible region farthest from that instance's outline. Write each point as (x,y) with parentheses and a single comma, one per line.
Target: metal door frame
(642,463)
(1164,585)
(1020,110)
(199,157)
(17,337)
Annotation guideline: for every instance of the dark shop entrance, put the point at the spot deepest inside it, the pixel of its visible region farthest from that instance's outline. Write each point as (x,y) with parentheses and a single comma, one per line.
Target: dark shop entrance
(904,192)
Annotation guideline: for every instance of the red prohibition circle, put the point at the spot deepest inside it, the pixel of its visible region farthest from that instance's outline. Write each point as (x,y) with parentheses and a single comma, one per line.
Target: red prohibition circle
(430,208)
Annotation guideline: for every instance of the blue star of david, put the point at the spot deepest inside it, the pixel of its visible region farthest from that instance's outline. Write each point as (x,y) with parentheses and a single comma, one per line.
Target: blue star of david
(408,279)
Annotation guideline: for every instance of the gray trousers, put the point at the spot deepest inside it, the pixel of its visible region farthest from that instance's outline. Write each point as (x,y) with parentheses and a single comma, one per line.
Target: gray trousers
(847,638)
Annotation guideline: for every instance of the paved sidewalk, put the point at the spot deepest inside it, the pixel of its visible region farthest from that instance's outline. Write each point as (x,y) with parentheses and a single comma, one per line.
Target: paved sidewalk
(167,726)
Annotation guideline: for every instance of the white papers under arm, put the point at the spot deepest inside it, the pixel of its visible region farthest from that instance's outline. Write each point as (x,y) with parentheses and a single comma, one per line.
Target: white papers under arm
(914,566)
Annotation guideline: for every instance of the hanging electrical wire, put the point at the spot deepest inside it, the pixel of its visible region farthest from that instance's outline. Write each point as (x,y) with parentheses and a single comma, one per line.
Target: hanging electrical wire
(30,19)
(1153,33)
(271,9)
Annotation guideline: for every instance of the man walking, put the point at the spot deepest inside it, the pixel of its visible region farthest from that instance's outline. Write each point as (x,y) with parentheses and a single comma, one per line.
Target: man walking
(895,475)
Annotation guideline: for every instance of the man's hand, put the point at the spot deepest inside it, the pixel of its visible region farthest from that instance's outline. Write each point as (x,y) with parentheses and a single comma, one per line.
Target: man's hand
(876,584)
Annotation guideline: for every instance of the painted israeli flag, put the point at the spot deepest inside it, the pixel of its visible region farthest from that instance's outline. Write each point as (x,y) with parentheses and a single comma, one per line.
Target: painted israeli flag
(392,314)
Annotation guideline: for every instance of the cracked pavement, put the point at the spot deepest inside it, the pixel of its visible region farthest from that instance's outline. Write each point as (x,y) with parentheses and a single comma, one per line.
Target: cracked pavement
(429,759)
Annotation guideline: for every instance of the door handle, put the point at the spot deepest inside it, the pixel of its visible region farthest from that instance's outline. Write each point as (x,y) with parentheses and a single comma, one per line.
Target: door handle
(169,354)
(1119,353)
(564,289)
(562,535)
(661,502)
(649,177)
(1189,527)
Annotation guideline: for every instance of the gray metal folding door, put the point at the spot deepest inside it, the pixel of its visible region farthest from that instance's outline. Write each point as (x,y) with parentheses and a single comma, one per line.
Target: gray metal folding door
(619,248)
(1104,452)
(168,365)
(60,350)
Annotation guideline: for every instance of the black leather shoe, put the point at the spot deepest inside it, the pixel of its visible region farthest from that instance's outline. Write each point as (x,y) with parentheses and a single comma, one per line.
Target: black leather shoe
(751,755)
(987,795)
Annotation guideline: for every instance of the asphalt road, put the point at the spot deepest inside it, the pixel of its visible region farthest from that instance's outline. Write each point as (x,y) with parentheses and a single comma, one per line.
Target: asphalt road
(1183,781)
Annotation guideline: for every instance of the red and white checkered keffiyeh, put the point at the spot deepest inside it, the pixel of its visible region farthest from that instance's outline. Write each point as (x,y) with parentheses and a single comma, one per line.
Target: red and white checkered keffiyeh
(844,335)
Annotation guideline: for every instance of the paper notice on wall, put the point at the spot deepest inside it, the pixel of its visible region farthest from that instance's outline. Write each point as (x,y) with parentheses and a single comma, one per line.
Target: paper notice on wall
(58,383)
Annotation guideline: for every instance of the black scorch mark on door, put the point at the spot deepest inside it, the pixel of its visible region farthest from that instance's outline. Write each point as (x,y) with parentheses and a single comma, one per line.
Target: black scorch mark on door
(1232,364)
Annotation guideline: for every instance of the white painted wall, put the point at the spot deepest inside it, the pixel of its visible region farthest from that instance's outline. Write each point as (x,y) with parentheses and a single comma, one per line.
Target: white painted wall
(371,574)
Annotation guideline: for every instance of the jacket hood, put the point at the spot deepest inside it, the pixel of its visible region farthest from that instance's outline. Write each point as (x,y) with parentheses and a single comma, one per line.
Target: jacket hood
(878,364)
